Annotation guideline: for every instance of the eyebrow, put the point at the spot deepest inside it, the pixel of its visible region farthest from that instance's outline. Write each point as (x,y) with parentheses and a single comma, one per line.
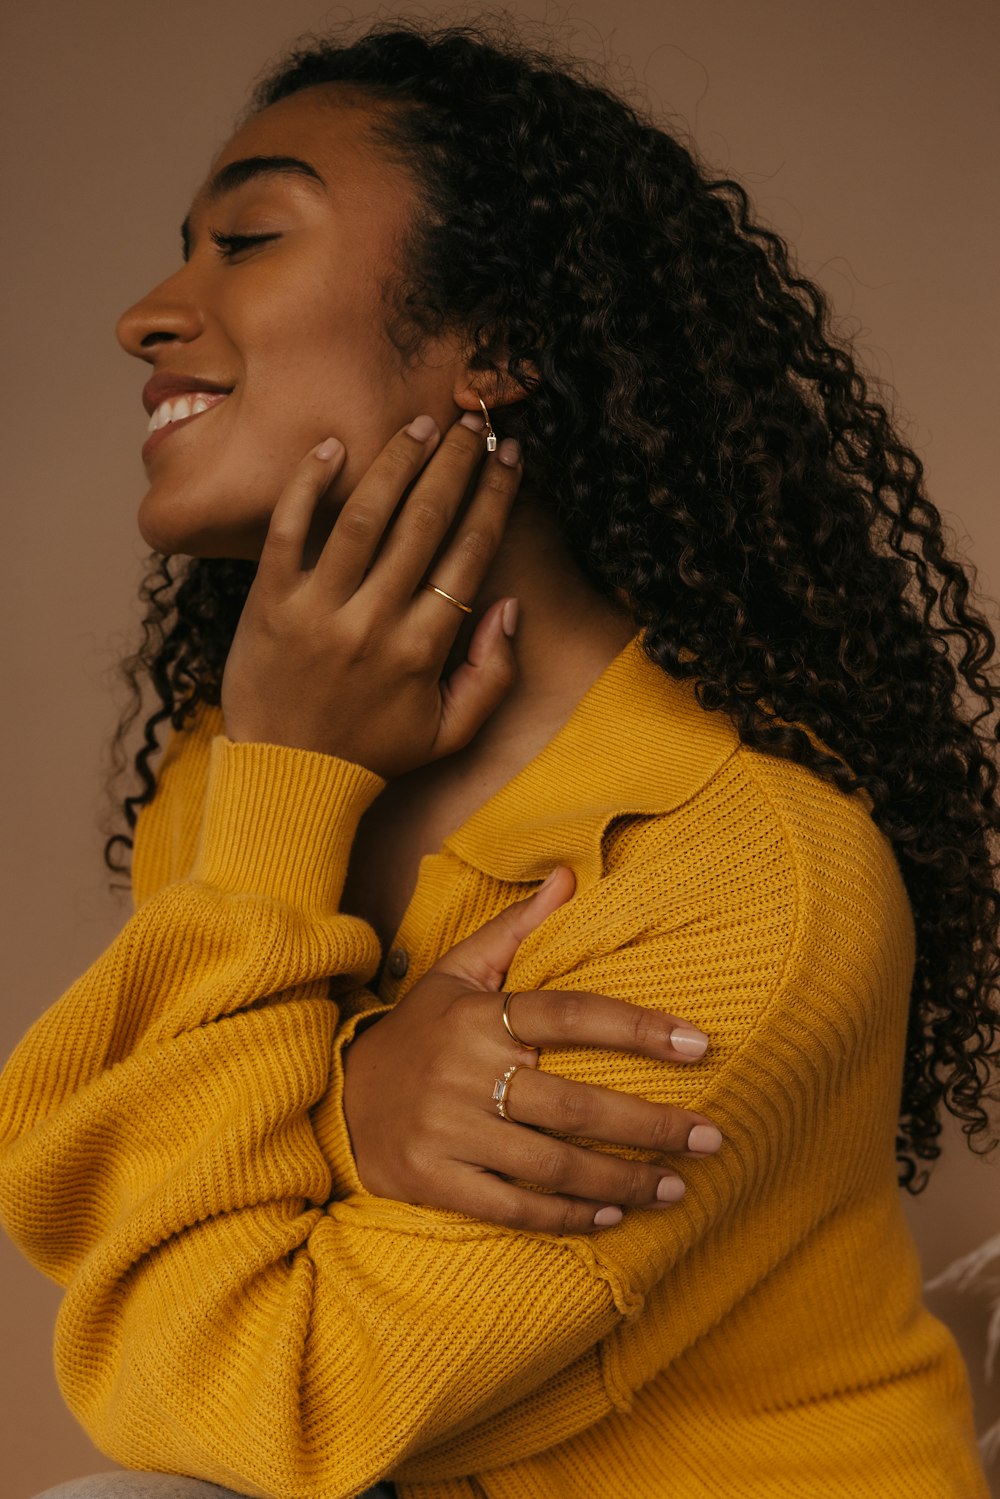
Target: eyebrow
(230,177)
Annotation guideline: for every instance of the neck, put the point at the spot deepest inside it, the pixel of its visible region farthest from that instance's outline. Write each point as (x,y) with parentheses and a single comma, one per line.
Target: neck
(567,633)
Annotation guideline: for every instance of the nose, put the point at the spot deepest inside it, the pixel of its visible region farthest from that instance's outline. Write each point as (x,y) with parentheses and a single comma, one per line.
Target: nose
(165,315)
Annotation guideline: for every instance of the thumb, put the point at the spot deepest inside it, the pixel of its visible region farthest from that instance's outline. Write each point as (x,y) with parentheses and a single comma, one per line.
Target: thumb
(477,687)
(483,959)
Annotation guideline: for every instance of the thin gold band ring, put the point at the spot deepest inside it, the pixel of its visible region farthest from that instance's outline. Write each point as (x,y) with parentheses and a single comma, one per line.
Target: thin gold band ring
(509,1028)
(432,588)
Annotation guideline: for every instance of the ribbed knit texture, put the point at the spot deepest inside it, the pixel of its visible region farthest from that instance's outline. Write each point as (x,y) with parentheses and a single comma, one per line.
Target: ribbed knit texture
(240,1309)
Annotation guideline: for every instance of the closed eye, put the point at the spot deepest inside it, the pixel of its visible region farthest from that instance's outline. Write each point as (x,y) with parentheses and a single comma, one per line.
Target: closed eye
(231,245)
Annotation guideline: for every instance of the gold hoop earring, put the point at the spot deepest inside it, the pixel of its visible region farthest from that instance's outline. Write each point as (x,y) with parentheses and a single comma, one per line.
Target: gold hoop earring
(491,437)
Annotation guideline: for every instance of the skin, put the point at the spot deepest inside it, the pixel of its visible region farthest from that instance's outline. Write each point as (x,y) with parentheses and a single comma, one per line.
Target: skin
(339,649)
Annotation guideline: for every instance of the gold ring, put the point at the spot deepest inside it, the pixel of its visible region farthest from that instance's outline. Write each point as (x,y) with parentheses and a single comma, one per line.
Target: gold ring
(509,1028)
(432,588)
(500,1090)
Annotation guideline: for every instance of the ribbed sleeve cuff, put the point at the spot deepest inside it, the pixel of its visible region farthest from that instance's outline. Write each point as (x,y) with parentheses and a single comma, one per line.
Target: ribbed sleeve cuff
(328,1117)
(280,822)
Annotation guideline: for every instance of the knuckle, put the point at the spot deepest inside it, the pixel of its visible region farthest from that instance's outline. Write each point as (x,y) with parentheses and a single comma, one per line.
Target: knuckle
(358,523)
(633,1186)
(647,1028)
(425,517)
(574,1218)
(357,643)
(544,1168)
(419,1167)
(414,655)
(662,1130)
(282,535)
(402,457)
(572,1112)
(499,478)
(509,1211)
(478,544)
(568,1012)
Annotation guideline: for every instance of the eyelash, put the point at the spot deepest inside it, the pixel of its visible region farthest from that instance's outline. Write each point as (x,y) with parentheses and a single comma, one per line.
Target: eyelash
(230,245)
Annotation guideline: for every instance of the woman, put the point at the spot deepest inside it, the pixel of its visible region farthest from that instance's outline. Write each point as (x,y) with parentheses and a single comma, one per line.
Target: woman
(748,747)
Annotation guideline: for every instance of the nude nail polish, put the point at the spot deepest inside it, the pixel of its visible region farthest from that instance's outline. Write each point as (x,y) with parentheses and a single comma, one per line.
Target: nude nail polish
(704,1139)
(422,428)
(670,1189)
(608,1217)
(688,1041)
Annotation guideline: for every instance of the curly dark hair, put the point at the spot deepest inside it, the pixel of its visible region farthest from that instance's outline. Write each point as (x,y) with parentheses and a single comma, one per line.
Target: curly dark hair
(715,456)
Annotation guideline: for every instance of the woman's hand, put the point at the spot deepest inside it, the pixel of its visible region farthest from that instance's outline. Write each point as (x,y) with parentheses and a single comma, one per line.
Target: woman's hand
(345,654)
(425,1129)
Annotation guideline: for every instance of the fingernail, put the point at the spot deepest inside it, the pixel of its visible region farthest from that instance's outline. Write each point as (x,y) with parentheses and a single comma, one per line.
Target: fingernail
(608,1217)
(691,1042)
(670,1189)
(508,617)
(423,428)
(547,881)
(328,448)
(509,452)
(473,420)
(704,1139)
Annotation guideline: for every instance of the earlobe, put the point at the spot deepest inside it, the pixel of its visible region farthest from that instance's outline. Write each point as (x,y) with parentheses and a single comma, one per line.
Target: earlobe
(492,388)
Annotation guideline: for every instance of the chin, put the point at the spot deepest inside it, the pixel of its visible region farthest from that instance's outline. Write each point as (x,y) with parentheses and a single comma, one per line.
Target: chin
(174,530)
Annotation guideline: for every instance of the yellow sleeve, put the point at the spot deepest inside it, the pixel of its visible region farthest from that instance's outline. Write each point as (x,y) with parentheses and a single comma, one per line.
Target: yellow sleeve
(171,1142)
(170,825)
(158,1157)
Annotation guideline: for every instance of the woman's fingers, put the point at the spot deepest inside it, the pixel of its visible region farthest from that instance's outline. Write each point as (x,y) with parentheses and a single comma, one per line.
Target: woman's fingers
(426,519)
(588,1112)
(478,1194)
(379,546)
(350,550)
(567,1017)
(281,557)
(590,1175)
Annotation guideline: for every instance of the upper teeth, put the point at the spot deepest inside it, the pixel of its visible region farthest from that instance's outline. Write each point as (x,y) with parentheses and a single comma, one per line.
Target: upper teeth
(178,407)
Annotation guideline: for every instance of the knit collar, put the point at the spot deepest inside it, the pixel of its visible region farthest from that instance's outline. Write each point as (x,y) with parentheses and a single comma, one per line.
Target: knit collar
(637,743)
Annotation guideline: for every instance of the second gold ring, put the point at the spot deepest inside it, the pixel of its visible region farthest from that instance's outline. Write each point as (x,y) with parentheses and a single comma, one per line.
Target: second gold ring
(500,1090)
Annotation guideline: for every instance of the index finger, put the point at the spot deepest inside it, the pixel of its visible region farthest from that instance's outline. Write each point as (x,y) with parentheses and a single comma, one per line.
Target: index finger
(570,1017)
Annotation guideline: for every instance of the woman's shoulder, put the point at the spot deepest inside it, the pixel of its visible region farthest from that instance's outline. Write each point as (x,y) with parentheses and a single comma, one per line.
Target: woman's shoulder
(768,883)
(762,829)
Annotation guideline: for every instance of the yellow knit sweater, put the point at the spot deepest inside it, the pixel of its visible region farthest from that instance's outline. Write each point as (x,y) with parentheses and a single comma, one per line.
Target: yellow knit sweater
(240,1309)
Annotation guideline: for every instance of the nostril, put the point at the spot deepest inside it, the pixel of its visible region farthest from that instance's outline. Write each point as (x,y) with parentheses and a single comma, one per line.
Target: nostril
(151,339)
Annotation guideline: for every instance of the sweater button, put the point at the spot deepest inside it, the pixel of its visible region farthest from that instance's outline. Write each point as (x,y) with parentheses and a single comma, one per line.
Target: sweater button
(399,962)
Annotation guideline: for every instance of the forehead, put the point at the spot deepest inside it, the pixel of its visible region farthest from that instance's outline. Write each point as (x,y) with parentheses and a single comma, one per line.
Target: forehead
(330,127)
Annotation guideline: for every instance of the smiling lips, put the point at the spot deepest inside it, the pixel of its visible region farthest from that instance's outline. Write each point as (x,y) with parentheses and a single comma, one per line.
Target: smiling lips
(178,408)
(173,399)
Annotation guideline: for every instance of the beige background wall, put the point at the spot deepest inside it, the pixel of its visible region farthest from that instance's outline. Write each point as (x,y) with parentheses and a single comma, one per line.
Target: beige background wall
(867,132)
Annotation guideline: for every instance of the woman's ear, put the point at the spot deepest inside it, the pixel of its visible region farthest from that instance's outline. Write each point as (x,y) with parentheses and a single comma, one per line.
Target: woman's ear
(495,388)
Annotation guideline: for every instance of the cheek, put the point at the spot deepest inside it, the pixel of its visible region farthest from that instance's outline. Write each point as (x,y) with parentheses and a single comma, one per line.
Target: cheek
(318,363)
(311,339)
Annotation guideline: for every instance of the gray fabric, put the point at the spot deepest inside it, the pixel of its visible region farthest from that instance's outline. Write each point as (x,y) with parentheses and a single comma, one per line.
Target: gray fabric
(119,1485)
